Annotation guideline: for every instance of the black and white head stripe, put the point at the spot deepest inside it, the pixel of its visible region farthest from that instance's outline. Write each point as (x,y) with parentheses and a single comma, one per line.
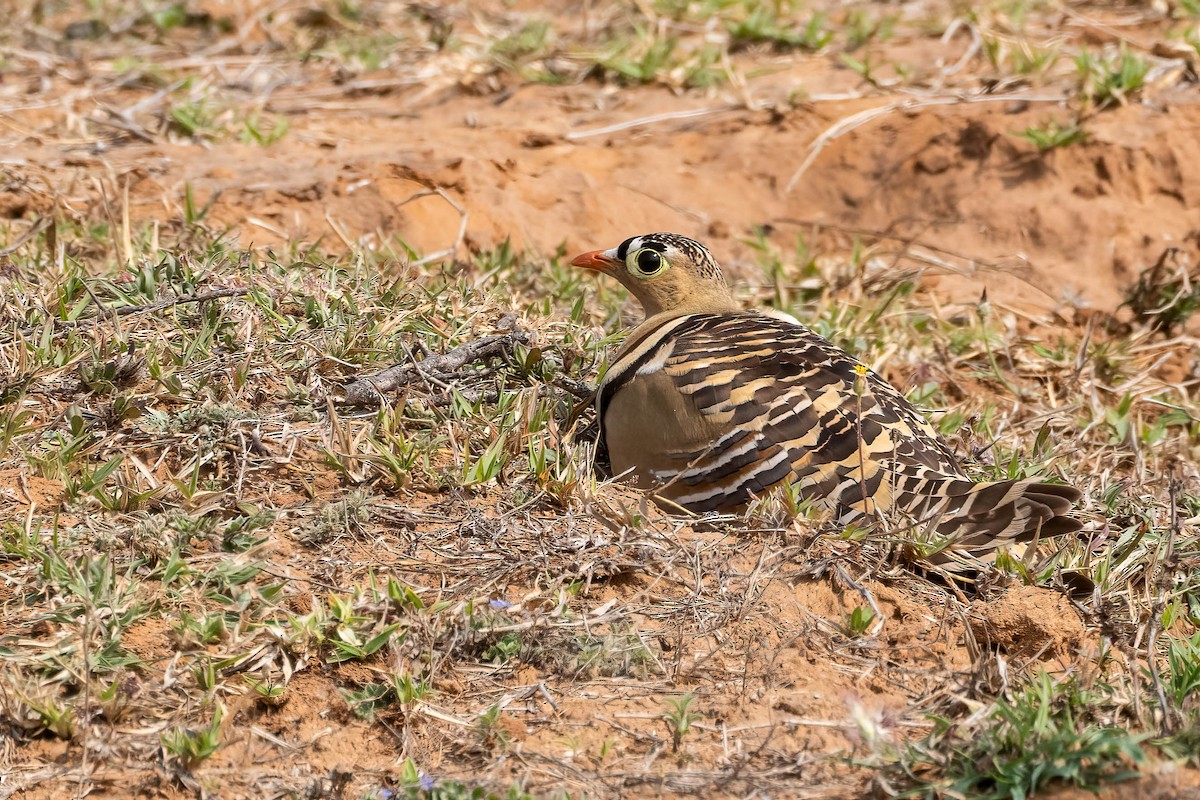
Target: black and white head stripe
(664,242)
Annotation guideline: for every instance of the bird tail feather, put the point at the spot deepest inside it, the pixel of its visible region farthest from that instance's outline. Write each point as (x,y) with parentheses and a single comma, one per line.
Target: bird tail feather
(979,518)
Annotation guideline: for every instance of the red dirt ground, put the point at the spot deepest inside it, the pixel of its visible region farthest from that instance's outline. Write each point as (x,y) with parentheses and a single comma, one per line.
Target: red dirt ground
(1066,230)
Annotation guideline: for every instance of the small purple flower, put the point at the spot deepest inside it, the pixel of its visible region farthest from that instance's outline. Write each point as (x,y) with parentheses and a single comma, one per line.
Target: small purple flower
(500,605)
(386,794)
(427,782)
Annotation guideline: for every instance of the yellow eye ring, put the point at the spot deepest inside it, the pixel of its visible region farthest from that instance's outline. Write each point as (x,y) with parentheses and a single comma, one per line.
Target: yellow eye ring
(646,263)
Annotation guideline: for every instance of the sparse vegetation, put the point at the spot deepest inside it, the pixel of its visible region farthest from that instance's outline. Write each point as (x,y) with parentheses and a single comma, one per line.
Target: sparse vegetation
(1053,135)
(1043,735)
(1106,80)
(209,549)
(680,718)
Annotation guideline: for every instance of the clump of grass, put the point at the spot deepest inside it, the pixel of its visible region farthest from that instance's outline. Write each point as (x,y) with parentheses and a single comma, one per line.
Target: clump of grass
(644,56)
(760,24)
(1030,60)
(1107,80)
(1053,135)
(1045,734)
(1166,294)
(617,653)
(345,517)
(521,50)
(191,747)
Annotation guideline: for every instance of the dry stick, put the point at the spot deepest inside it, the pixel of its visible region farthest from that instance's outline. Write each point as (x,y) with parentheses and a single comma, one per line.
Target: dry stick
(969,54)
(369,391)
(86,728)
(1104,28)
(33,231)
(848,124)
(866,595)
(1167,724)
(887,234)
(341,90)
(667,117)
(450,251)
(123,311)
(576,388)
(703,219)
(119,123)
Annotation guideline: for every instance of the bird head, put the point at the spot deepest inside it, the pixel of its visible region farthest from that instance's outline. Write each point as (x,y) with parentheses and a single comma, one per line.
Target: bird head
(666,272)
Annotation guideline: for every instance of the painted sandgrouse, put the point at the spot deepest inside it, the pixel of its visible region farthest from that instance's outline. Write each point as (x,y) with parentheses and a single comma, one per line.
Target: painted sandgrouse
(708,406)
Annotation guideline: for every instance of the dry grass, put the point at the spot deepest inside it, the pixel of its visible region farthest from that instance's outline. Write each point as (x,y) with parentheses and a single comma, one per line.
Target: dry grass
(225,570)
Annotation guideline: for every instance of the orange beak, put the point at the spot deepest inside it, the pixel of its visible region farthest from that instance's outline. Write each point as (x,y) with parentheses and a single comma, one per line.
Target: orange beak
(595,260)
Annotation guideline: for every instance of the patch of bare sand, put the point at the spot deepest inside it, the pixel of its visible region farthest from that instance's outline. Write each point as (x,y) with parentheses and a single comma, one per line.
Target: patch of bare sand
(151,639)
(19,489)
(1076,223)
(1029,622)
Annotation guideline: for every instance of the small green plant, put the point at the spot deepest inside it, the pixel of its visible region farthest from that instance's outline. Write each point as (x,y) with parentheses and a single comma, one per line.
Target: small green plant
(268,693)
(115,702)
(503,649)
(192,747)
(1167,294)
(255,131)
(533,40)
(640,59)
(1183,669)
(205,674)
(864,67)
(762,25)
(194,214)
(1053,135)
(195,118)
(1040,736)
(1023,57)
(488,728)
(349,646)
(88,480)
(489,464)
(860,620)
(408,689)
(368,700)
(1030,60)
(861,27)
(1106,81)
(14,419)
(420,785)
(402,688)
(202,630)
(680,718)
(56,717)
(363,50)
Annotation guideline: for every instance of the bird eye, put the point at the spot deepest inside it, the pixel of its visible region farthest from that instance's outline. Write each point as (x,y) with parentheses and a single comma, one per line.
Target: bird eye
(646,262)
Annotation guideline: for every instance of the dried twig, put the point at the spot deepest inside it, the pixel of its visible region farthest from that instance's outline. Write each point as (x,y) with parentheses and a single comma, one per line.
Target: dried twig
(847,124)
(150,308)
(450,251)
(691,113)
(33,231)
(443,367)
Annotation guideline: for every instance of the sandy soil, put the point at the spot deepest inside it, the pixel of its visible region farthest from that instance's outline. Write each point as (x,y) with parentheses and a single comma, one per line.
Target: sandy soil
(937,176)
(542,166)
